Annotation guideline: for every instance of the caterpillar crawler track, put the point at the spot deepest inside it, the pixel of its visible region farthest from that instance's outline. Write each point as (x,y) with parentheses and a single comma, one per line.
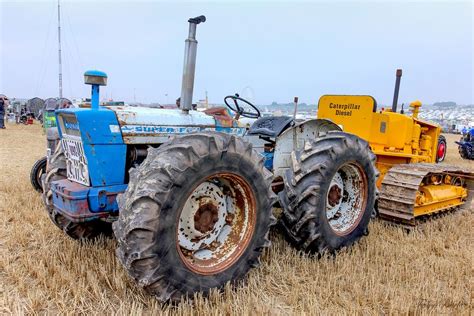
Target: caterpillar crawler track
(412,190)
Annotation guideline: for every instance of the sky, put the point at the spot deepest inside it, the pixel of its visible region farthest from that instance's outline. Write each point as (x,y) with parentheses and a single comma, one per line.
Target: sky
(265,50)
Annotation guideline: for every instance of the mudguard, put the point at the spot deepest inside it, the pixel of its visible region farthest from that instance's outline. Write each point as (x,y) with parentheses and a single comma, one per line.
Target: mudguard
(294,138)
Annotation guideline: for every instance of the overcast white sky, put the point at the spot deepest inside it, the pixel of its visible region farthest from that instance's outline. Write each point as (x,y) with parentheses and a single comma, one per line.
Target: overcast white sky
(268,50)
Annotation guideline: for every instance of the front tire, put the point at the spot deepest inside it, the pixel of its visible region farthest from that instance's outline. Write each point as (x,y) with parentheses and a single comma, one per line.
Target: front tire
(37,171)
(196,215)
(56,170)
(329,193)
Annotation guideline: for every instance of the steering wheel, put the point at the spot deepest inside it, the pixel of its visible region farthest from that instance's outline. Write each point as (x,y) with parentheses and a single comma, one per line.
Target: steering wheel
(254,113)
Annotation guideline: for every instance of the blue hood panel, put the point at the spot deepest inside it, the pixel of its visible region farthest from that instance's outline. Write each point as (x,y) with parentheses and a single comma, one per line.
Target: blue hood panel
(97,127)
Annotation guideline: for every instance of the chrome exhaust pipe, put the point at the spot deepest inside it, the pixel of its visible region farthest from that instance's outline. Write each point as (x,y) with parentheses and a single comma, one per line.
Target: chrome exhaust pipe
(189,68)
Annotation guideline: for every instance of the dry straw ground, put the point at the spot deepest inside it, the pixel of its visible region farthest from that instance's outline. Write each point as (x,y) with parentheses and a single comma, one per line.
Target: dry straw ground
(428,271)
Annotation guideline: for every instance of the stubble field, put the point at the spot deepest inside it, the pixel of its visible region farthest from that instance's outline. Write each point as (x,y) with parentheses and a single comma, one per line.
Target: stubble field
(426,271)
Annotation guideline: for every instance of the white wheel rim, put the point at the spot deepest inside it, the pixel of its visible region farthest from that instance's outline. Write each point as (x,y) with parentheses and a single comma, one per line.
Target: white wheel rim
(216,223)
(346,199)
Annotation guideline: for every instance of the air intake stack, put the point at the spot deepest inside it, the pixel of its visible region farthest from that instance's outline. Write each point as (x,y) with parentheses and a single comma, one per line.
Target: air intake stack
(95,78)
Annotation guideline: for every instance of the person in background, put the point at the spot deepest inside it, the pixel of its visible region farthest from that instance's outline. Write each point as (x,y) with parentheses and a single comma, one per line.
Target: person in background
(2,113)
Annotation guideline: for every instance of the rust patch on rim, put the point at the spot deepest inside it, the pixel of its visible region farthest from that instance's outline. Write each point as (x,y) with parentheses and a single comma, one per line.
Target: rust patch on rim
(241,220)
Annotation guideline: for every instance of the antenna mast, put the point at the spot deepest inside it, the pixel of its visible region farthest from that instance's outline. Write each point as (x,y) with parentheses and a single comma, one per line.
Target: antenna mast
(59,53)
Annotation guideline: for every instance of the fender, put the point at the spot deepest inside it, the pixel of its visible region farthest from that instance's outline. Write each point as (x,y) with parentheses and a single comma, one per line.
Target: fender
(294,138)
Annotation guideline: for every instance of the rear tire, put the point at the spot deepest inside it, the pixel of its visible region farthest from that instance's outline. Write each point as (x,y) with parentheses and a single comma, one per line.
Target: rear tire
(329,193)
(441,149)
(56,170)
(39,168)
(157,229)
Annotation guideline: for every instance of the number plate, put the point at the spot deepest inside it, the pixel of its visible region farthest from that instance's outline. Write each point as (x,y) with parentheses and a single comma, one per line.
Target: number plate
(76,161)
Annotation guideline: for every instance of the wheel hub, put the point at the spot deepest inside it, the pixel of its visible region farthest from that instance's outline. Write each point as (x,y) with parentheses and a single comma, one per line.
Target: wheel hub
(203,217)
(206,217)
(334,195)
(441,150)
(334,198)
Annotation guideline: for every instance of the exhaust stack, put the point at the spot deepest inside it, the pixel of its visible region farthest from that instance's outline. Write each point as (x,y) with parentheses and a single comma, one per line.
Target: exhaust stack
(190,50)
(397,90)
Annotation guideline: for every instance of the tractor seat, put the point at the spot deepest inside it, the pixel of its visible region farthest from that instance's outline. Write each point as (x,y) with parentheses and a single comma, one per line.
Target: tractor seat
(270,126)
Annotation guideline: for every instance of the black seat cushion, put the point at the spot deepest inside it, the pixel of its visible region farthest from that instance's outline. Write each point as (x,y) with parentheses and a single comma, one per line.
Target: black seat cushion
(270,126)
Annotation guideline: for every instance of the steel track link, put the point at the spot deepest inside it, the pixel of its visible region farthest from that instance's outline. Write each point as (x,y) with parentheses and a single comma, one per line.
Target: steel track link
(399,187)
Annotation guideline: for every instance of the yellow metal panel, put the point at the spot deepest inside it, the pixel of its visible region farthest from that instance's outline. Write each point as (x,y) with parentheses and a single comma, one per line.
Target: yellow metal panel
(433,131)
(400,130)
(436,207)
(352,112)
(379,130)
(441,192)
(434,198)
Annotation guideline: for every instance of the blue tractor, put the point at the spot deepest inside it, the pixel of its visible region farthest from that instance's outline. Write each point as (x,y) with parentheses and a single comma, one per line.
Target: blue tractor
(190,193)
(466,145)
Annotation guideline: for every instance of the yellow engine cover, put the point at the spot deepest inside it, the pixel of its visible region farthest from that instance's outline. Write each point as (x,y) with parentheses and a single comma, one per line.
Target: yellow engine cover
(404,138)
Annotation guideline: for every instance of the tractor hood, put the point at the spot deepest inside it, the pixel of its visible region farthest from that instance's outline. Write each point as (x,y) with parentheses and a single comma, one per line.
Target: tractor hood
(140,125)
(132,117)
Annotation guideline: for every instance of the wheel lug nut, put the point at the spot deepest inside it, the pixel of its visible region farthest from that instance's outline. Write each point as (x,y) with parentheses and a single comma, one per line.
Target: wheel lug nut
(213,246)
(229,218)
(187,253)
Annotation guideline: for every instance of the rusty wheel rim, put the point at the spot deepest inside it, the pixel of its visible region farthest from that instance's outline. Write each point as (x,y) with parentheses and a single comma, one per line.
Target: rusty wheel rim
(216,223)
(346,198)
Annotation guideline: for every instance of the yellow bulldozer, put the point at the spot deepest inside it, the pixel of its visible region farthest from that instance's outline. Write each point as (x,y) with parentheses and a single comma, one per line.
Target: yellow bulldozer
(411,183)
